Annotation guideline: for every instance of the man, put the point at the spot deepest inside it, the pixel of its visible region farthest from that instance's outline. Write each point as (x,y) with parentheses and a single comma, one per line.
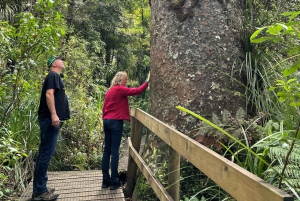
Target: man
(53,109)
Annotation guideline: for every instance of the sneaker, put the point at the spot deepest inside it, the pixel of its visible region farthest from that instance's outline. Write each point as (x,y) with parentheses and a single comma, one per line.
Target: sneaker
(115,185)
(105,184)
(47,196)
(50,190)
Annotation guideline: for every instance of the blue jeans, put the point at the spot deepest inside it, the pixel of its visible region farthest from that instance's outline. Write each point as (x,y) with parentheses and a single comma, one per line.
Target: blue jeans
(113,130)
(48,137)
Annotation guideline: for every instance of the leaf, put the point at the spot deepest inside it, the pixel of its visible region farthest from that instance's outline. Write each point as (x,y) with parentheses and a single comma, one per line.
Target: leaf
(291,24)
(281,99)
(272,88)
(13,149)
(292,69)
(291,14)
(262,39)
(288,32)
(256,33)
(295,104)
(277,40)
(291,80)
(24,154)
(293,51)
(280,82)
(276,29)
(282,94)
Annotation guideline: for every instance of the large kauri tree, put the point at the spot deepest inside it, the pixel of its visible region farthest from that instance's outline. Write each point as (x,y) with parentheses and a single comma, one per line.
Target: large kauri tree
(196,54)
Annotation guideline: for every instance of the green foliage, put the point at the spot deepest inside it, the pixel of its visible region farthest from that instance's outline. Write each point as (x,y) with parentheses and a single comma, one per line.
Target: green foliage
(95,45)
(264,61)
(122,30)
(144,191)
(9,8)
(196,186)
(287,34)
(10,156)
(287,90)
(31,35)
(258,164)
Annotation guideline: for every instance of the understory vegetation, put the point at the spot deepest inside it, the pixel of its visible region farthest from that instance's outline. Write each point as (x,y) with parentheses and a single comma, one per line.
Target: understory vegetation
(99,38)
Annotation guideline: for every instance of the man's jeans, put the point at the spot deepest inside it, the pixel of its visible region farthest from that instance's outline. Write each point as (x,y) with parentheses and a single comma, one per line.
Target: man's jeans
(113,130)
(48,139)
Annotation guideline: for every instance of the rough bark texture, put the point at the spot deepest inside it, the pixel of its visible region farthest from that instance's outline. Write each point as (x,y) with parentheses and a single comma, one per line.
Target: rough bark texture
(195,50)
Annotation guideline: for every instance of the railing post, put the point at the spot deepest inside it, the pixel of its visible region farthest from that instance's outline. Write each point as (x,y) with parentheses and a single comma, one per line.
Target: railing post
(135,137)
(174,174)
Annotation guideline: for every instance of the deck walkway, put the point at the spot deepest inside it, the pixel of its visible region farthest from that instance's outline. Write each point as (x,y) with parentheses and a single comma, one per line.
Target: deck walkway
(78,185)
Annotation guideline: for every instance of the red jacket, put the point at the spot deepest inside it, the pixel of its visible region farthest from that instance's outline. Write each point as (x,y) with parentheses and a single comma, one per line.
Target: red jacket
(116,104)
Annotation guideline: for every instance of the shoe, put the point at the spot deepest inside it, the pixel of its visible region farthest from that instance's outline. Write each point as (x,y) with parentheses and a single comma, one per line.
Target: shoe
(47,196)
(50,190)
(115,185)
(105,184)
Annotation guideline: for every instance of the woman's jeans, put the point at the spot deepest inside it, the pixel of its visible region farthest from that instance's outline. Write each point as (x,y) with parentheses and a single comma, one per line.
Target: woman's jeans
(48,139)
(113,130)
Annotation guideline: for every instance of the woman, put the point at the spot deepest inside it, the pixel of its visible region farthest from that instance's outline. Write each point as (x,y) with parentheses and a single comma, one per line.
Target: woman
(115,110)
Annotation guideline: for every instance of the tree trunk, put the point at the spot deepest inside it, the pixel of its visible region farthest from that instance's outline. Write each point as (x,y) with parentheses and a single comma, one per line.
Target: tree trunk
(195,63)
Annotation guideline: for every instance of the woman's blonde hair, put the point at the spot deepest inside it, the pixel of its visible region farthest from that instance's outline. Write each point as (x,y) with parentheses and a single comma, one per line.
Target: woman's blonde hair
(118,78)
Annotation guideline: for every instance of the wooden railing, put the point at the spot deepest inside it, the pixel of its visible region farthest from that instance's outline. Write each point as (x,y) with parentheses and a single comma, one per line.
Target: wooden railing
(236,181)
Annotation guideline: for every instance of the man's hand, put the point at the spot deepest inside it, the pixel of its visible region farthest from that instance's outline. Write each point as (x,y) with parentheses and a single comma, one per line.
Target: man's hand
(55,120)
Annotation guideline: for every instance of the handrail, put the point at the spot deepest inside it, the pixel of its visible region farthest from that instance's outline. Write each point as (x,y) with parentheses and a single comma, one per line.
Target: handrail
(152,180)
(238,182)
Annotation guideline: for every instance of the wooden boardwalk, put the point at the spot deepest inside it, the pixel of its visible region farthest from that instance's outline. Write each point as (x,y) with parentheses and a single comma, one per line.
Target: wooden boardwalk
(78,185)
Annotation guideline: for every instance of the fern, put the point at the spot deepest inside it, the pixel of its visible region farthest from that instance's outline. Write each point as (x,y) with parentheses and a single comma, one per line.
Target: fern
(277,145)
(292,172)
(277,153)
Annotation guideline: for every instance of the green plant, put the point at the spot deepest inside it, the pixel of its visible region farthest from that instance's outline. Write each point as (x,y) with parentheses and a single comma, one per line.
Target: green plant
(196,186)
(144,191)
(289,92)
(248,149)
(31,34)
(287,88)
(263,62)
(11,157)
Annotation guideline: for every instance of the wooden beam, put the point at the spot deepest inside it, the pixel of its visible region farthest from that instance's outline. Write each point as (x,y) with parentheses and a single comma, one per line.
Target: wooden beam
(154,183)
(174,174)
(238,182)
(136,136)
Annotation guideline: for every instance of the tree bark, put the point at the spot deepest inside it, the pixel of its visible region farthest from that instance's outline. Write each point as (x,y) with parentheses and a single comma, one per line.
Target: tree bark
(195,63)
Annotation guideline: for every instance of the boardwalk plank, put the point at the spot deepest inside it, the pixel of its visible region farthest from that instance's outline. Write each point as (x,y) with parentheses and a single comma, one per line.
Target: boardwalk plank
(78,185)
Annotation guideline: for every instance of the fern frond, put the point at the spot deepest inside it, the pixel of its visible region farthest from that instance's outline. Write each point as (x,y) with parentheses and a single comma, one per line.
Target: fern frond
(295,157)
(226,116)
(278,153)
(216,120)
(291,171)
(240,114)
(294,183)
